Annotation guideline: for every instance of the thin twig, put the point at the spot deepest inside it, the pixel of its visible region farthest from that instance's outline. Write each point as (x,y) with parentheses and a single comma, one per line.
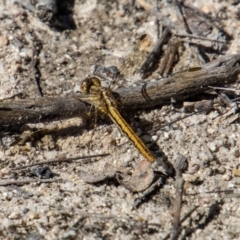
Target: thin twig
(37,46)
(237,91)
(169,58)
(180,165)
(60,160)
(154,53)
(188,214)
(27,181)
(199,37)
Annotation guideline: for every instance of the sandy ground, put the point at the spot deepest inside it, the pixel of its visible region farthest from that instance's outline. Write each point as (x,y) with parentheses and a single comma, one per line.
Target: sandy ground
(104,33)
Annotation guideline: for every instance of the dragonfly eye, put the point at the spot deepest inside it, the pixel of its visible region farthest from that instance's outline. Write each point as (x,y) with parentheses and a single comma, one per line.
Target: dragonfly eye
(90,84)
(95,82)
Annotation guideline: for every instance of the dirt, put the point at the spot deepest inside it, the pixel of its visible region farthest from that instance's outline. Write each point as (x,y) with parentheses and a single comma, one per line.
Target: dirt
(105,33)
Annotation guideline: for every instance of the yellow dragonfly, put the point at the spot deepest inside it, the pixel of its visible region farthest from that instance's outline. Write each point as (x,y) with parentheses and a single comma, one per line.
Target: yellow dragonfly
(103,99)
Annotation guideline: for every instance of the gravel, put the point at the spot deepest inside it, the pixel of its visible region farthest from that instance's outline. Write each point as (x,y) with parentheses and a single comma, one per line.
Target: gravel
(106,32)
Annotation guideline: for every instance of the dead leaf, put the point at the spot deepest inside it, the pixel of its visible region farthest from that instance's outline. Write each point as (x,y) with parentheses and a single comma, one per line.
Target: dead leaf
(138,181)
(141,178)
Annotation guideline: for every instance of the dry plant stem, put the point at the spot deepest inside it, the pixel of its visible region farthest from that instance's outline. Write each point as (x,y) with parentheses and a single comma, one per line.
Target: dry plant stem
(154,53)
(182,85)
(34,63)
(60,161)
(21,111)
(226,89)
(27,181)
(198,37)
(188,214)
(178,198)
(169,58)
(177,87)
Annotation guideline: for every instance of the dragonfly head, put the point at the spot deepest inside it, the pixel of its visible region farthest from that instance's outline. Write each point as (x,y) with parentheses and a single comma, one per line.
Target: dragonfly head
(90,84)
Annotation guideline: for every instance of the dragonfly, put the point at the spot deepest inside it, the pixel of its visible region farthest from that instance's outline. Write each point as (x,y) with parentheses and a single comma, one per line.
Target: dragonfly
(103,99)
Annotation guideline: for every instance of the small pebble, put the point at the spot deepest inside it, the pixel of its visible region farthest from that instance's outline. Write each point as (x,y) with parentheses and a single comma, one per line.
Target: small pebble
(146,138)
(212,146)
(25,210)
(52,213)
(6,223)
(193,168)
(5,171)
(221,170)
(236,172)
(226,177)
(34,216)
(70,234)
(8,195)
(209,172)
(154,138)
(3,41)
(14,215)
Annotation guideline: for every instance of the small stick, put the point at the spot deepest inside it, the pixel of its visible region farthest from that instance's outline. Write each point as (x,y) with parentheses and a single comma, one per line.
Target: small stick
(60,160)
(27,181)
(183,219)
(199,37)
(154,53)
(169,58)
(176,222)
(37,46)
(225,89)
